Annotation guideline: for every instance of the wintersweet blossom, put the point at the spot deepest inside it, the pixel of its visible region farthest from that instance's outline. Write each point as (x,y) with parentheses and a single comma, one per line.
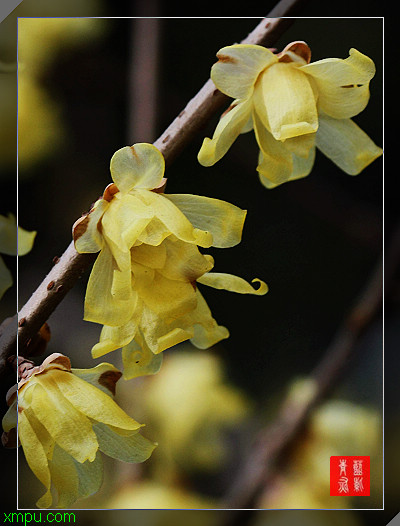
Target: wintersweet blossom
(143,285)
(294,107)
(66,417)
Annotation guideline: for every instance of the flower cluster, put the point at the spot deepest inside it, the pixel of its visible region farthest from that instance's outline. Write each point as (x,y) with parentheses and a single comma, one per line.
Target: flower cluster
(294,107)
(66,417)
(143,285)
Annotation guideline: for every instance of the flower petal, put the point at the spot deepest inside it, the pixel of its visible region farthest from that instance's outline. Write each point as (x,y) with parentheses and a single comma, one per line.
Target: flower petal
(285,102)
(224,220)
(90,476)
(112,338)
(103,376)
(238,67)
(175,221)
(35,456)
(207,332)
(232,283)
(139,360)
(71,429)
(230,126)
(346,144)
(101,306)
(86,234)
(343,85)
(94,403)
(139,166)
(64,477)
(132,448)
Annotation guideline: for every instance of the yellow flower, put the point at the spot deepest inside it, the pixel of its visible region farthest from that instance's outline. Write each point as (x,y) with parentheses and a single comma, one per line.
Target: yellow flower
(293,106)
(143,285)
(65,418)
(13,240)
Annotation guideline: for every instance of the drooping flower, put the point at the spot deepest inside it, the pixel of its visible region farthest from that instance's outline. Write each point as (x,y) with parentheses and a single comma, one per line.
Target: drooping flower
(143,285)
(13,241)
(294,107)
(66,417)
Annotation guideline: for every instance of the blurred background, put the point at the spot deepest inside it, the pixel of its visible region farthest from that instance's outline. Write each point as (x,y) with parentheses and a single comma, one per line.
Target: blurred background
(90,86)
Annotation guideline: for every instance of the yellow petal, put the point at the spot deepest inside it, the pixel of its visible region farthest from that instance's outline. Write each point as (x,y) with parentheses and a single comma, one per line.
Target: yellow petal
(138,166)
(133,448)
(103,376)
(346,144)
(10,235)
(184,262)
(224,220)
(238,67)
(94,403)
(68,426)
(64,477)
(229,127)
(233,283)
(125,219)
(207,332)
(174,220)
(112,338)
(101,306)
(284,100)
(25,241)
(90,476)
(150,256)
(86,234)
(275,163)
(343,85)
(138,360)
(35,457)
(6,279)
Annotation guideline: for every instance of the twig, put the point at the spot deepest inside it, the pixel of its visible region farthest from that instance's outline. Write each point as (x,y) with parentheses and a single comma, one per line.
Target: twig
(268,450)
(71,265)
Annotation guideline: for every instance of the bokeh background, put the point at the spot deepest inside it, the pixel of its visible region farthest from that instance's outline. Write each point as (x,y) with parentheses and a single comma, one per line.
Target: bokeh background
(314,241)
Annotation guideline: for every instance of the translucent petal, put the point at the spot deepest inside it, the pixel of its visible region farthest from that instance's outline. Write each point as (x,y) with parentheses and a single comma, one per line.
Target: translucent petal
(238,67)
(25,241)
(138,166)
(101,305)
(233,283)
(184,262)
(6,279)
(10,419)
(275,162)
(207,332)
(133,448)
(138,360)
(112,338)
(10,235)
(343,85)
(68,426)
(229,127)
(87,236)
(150,256)
(35,456)
(224,220)
(90,476)
(284,100)
(94,403)
(174,220)
(346,144)
(64,477)
(125,219)
(103,376)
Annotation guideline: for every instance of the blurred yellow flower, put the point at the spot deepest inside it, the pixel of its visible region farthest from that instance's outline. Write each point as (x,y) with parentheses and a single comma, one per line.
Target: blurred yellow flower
(190,405)
(143,285)
(65,418)
(13,240)
(293,106)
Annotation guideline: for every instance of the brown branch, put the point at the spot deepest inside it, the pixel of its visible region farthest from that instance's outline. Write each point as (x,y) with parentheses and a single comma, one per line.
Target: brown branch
(71,265)
(268,451)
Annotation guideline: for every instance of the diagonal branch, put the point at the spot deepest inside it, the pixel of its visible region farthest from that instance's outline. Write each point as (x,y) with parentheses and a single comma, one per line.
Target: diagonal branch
(258,470)
(71,264)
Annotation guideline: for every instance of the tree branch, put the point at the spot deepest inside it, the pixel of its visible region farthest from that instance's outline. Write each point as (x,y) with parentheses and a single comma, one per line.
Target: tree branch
(71,264)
